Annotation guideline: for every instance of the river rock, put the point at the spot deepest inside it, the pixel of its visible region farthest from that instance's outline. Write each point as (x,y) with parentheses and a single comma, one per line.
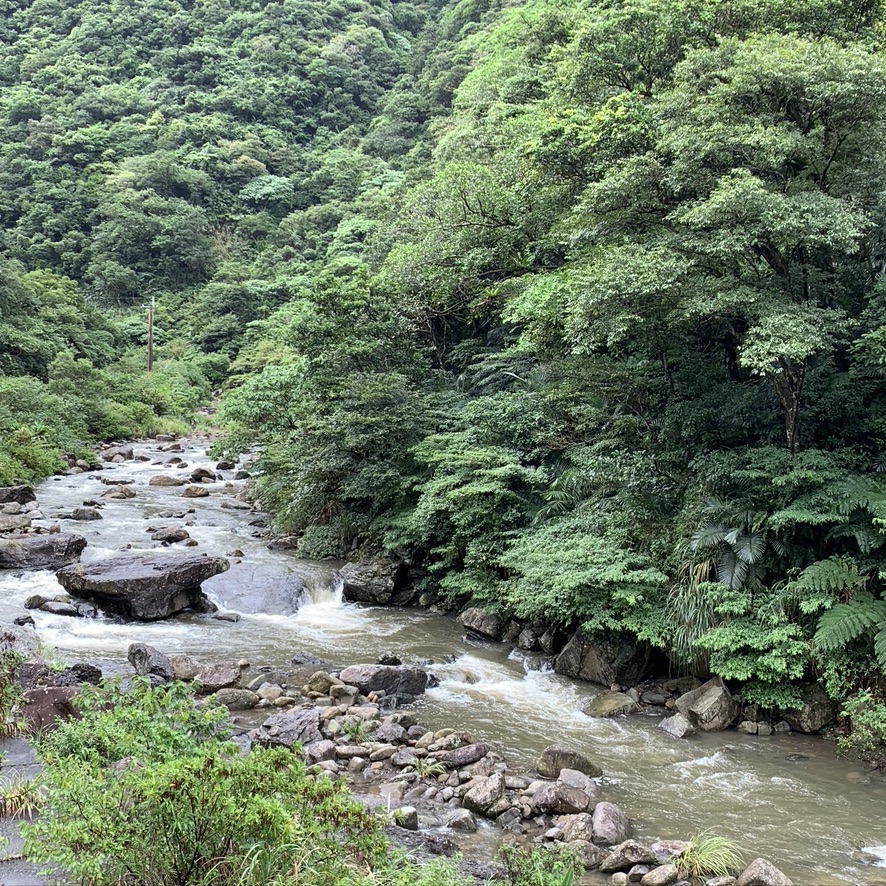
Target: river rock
(20,640)
(613,659)
(625,855)
(762,873)
(678,726)
(249,588)
(150,662)
(124,451)
(119,492)
(463,756)
(212,678)
(14,522)
(165,480)
(59,607)
(41,551)
(720,881)
(555,757)
(710,707)
(611,825)
(44,706)
(143,586)
(82,514)
(485,794)
(236,699)
(404,681)
(201,475)
(611,704)
(390,732)
(171,534)
(195,492)
(575,779)
(479,621)
(664,875)
(817,711)
(292,727)
(373,582)
(577,827)
(561,799)
(462,820)
(21,494)
(184,667)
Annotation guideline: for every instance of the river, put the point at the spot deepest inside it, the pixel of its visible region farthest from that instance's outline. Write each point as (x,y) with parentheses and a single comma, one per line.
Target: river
(787,798)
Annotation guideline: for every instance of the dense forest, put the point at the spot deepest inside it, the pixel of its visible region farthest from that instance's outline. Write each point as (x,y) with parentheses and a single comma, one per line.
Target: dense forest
(578,306)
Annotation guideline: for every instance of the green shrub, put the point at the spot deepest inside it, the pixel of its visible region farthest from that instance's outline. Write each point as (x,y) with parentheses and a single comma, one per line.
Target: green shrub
(867,717)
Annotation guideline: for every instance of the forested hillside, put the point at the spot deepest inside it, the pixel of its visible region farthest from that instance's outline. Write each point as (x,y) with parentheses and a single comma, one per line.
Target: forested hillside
(578,305)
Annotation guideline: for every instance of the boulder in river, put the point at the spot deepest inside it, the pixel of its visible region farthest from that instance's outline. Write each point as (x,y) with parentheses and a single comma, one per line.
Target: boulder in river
(124,451)
(611,704)
(14,522)
(605,660)
(21,494)
(171,534)
(710,707)
(405,682)
(379,581)
(555,758)
(762,873)
(479,621)
(678,726)
(145,586)
(611,825)
(249,588)
(165,480)
(195,492)
(41,551)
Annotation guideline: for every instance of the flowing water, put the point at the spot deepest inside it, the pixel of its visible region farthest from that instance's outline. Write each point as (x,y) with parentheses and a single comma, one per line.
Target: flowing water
(784,797)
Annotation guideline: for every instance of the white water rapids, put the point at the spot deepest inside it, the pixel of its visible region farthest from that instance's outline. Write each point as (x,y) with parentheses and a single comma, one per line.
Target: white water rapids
(787,798)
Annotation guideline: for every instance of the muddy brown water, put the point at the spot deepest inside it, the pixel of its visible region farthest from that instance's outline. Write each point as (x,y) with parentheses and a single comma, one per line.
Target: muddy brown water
(787,798)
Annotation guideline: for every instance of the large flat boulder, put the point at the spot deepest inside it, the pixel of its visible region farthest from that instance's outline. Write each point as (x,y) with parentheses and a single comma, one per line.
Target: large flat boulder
(289,729)
(405,682)
(249,588)
(50,551)
(144,586)
(605,660)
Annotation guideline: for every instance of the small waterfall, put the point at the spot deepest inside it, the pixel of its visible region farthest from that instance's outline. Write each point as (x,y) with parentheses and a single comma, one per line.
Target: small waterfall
(322,588)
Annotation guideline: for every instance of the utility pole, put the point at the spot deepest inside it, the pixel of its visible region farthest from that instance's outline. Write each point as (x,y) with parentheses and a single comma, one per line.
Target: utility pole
(151,335)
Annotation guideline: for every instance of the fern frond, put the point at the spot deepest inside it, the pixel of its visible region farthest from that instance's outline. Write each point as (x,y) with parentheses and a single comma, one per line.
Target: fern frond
(835,575)
(880,648)
(845,622)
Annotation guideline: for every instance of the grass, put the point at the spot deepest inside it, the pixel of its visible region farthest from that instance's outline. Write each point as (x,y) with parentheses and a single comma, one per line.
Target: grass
(709,855)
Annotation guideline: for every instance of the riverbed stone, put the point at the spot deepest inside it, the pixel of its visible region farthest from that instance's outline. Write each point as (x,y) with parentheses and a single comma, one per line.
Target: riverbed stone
(560,799)
(45,706)
(710,707)
(611,825)
(236,699)
(625,855)
(165,480)
(575,779)
(619,878)
(150,662)
(405,682)
(124,452)
(14,522)
(462,820)
(664,875)
(21,494)
(195,492)
(610,704)
(605,660)
(556,757)
(378,582)
(486,624)
(170,534)
(485,794)
(463,756)
(252,588)
(817,710)
(212,678)
(41,551)
(678,726)
(578,827)
(290,728)
(720,881)
(143,586)
(60,607)
(762,873)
